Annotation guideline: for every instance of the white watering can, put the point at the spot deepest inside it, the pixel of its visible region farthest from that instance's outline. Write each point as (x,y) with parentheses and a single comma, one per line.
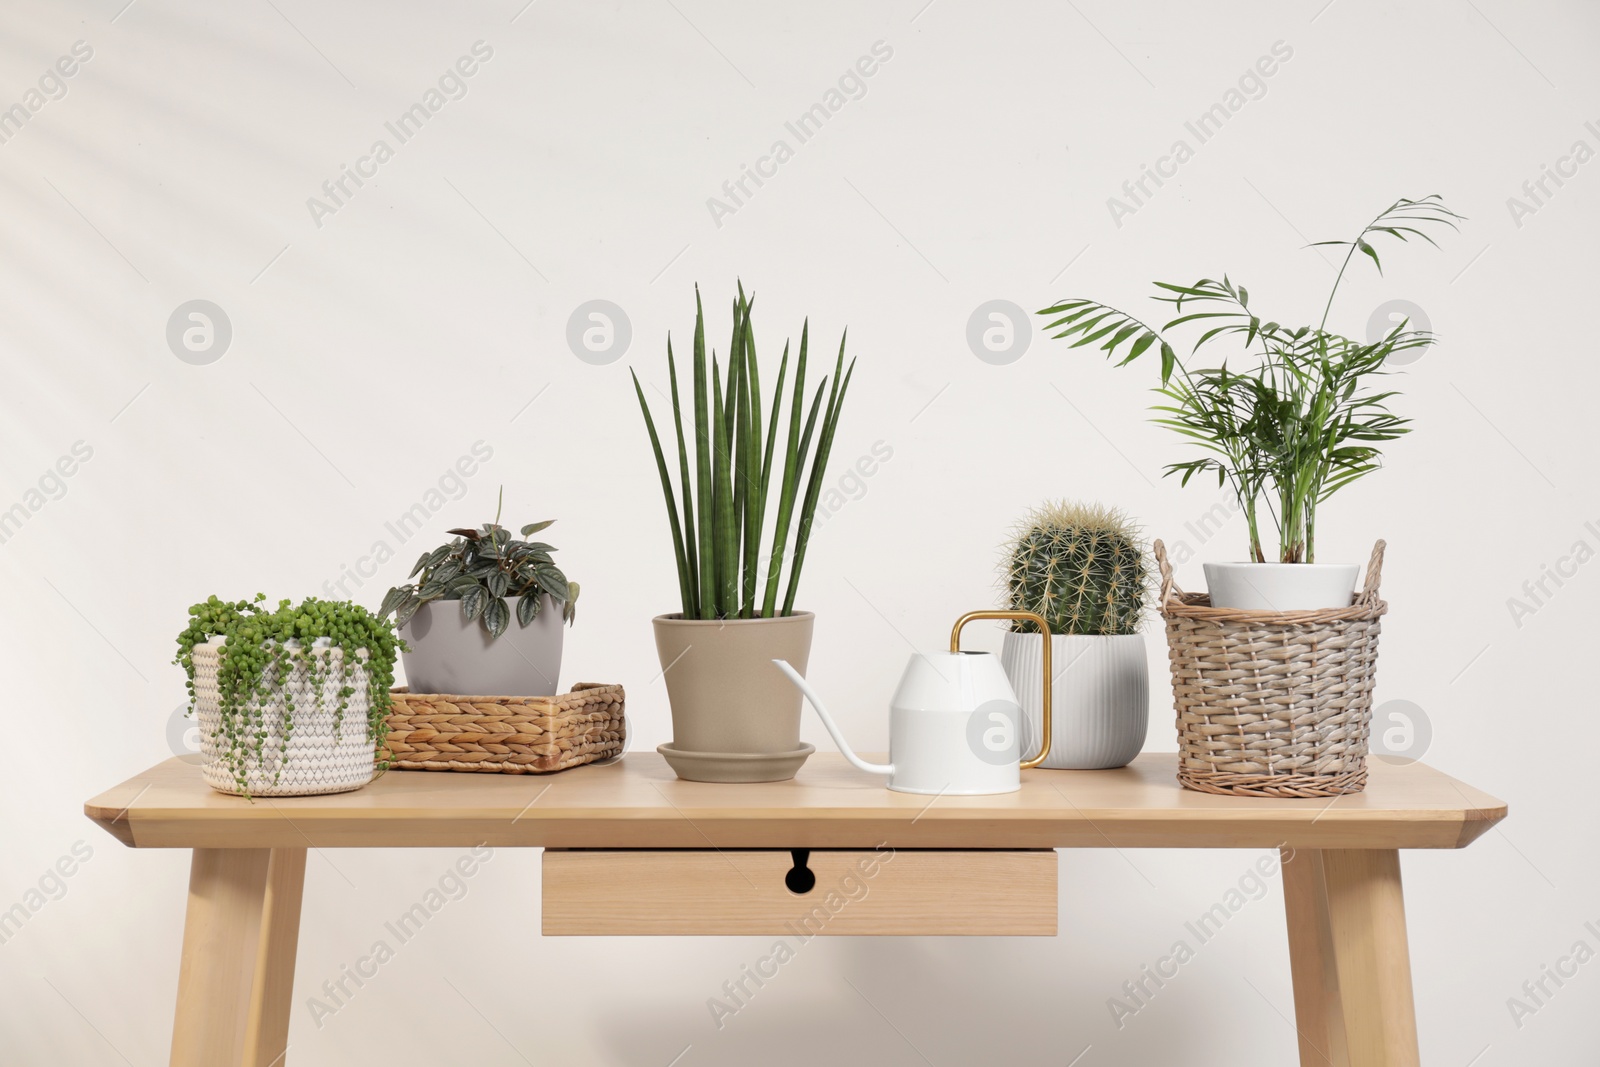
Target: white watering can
(955,726)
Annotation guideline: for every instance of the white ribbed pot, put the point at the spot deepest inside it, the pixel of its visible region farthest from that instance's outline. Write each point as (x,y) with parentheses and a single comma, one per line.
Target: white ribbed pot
(1100,696)
(317,757)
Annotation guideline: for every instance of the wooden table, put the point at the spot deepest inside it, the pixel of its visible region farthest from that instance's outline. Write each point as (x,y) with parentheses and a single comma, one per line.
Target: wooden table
(632,850)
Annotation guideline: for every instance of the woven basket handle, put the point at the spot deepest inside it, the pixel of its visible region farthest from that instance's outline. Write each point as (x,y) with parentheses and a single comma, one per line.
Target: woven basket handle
(1369,591)
(1169,587)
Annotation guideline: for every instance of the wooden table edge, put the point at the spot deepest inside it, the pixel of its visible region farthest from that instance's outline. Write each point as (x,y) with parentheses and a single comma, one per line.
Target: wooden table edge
(1478,821)
(603,828)
(138,820)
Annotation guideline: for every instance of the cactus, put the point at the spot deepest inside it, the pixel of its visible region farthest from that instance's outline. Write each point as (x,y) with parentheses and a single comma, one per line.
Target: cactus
(1081,566)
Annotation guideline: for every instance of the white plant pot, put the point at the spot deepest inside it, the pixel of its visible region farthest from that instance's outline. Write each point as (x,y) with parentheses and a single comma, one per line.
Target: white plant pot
(1281,586)
(454,654)
(1100,696)
(317,758)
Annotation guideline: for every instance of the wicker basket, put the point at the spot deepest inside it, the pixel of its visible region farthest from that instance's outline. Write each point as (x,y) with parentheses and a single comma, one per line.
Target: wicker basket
(1273,704)
(506,735)
(323,753)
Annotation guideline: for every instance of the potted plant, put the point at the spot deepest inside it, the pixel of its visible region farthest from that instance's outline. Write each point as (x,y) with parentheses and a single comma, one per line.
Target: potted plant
(1082,568)
(735,717)
(1290,425)
(456,616)
(291,702)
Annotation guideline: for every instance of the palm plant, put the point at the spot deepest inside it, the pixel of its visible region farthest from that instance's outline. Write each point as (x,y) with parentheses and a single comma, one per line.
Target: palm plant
(1294,427)
(718,538)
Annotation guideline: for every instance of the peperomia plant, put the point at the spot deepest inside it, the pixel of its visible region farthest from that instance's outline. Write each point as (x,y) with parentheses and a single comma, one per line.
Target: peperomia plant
(1295,425)
(481,568)
(264,648)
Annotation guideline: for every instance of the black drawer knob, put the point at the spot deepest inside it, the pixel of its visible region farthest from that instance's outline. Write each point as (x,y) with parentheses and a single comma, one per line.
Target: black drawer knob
(800,878)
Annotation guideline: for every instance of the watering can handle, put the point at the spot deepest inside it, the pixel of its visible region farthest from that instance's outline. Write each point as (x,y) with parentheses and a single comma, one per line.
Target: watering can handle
(1044,629)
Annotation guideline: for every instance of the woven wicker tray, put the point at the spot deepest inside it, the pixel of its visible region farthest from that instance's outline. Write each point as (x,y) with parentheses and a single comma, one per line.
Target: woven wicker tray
(506,735)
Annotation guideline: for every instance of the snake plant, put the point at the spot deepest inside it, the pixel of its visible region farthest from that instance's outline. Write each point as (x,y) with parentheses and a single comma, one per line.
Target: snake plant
(728,566)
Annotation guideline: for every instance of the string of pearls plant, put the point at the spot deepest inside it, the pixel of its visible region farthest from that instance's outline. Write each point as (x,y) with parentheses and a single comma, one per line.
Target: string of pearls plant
(264,647)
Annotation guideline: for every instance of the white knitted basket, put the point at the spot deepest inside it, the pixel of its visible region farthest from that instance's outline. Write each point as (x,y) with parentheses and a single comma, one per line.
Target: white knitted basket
(318,759)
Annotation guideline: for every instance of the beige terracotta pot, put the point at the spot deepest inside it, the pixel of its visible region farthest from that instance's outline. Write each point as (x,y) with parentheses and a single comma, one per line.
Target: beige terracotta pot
(735,717)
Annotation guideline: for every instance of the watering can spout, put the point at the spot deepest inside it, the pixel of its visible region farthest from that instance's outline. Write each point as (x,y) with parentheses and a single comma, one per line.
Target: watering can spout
(827,720)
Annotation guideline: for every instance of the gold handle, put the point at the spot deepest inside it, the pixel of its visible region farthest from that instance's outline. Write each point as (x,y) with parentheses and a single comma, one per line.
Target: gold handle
(1044,630)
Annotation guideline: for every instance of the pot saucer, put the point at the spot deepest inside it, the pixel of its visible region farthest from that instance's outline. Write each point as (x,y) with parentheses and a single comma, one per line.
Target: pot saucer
(735,766)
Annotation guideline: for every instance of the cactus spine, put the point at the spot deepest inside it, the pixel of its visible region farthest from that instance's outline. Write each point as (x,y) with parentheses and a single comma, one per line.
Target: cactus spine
(1081,566)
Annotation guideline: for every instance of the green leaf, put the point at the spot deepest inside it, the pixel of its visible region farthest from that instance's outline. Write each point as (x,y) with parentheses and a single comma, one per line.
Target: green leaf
(1098,331)
(473,602)
(535,527)
(793,463)
(819,467)
(1122,335)
(690,559)
(726,536)
(750,467)
(393,599)
(705,506)
(498,583)
(528,607)
(406,609)
(496,617)
(1373,252)
(552,582)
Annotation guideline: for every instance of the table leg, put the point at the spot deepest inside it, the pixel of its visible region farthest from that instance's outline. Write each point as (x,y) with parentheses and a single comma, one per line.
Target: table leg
(1348,953)
(237,976)
(266,1039)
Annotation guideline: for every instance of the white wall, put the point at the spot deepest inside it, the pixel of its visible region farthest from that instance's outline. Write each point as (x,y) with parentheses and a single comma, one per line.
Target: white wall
(429,311)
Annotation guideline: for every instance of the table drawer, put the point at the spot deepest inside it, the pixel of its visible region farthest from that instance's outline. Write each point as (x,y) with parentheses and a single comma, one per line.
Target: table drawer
(985,892)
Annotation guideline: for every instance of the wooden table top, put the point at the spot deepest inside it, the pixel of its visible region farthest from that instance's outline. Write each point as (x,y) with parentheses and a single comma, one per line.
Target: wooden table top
(637,802)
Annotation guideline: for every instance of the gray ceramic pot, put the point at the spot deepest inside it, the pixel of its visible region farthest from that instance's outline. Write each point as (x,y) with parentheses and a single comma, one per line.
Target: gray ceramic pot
(735,717)
(452,654)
